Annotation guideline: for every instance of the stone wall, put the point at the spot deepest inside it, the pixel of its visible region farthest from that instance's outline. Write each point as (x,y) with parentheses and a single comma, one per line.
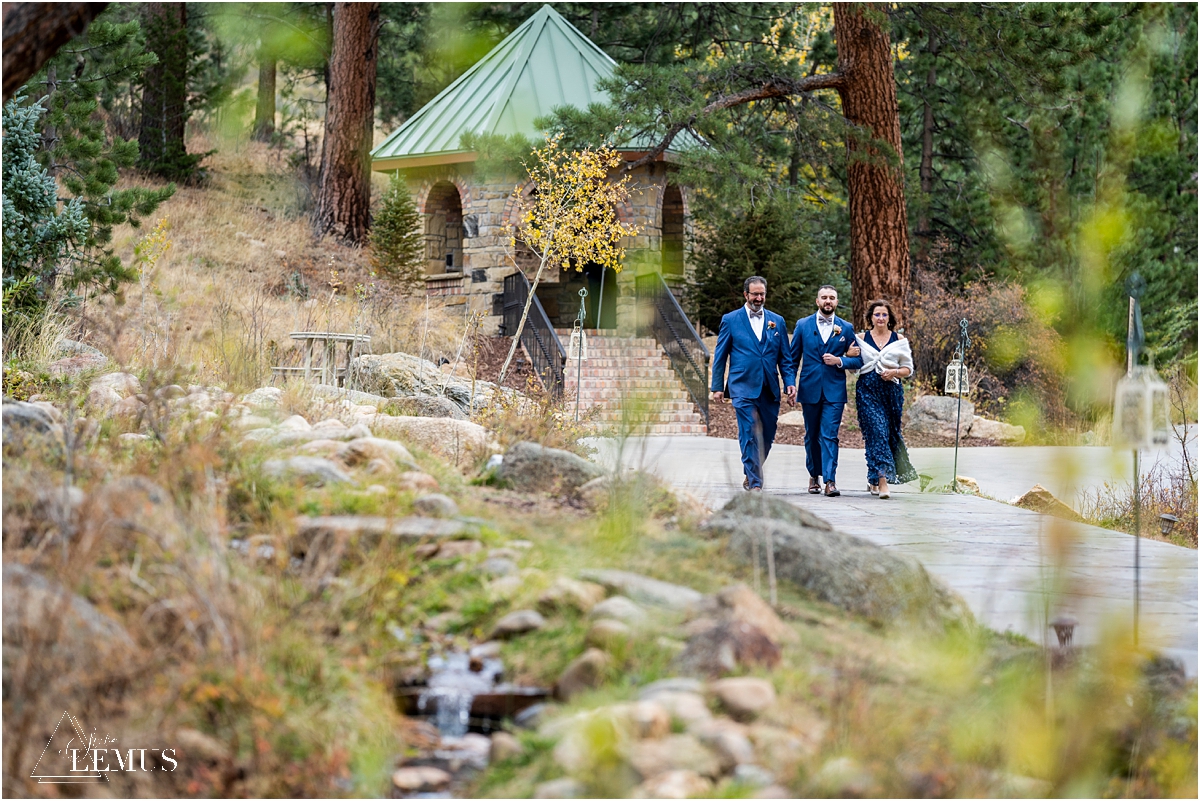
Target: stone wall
(486,206)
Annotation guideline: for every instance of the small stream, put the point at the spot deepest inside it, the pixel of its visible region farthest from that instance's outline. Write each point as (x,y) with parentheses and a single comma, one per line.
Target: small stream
(455,679)
(463,699)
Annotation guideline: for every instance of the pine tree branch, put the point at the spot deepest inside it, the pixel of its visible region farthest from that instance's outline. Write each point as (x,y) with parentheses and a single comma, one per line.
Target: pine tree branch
(776,86)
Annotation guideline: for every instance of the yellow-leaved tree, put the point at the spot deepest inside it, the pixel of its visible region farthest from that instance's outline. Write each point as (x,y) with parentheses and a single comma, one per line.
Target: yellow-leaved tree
(569,219)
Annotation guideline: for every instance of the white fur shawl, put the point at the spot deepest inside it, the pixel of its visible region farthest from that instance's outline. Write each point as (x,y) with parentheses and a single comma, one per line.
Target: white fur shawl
(893,356)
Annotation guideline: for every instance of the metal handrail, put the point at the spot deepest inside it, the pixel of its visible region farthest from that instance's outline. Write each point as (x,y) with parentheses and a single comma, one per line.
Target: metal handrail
(685,349)
(542,345)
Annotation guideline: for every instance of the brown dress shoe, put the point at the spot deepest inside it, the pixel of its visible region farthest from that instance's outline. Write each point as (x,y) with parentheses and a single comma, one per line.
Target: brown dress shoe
(831,490)
(814,486)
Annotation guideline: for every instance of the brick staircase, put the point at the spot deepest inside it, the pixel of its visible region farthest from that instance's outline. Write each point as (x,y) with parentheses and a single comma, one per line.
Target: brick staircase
(632,384)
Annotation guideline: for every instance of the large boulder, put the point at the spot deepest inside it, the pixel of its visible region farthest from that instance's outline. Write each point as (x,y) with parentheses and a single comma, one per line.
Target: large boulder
(309,469)
(70,366)
(530,467)
(516,623)
(566,592)
(364,449)
(264,398)
(133,507)
(759,504)
(937,414)
(644,589)
(1039,499)
(455,441)
(846,571)
(400,375)
(674,752)
(740,603)
(27,427)
(425,406)
(124,384)
(69,347)
(34,506)
(79,648)
(585,673)
(982,428)
(725,647)
(744,697)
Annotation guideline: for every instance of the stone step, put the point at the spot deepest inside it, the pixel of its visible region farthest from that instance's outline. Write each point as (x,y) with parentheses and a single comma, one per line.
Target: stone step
(620,372)
(678,429)
(673,417)
(606,337)
(599,363)
(673,408)
(617,399)
(641,387)
(629,373)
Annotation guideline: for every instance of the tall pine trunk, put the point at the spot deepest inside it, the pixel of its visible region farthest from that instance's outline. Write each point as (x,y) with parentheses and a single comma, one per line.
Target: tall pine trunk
(344,187)
(879,260)
(264,109)
(926,168)
(164,92)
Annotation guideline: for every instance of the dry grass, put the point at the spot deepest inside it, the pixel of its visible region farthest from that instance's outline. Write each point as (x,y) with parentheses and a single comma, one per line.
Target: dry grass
(242,272)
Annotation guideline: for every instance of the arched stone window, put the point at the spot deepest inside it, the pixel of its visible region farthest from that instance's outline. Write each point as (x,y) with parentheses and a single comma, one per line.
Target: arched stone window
(443,229)
(672,231)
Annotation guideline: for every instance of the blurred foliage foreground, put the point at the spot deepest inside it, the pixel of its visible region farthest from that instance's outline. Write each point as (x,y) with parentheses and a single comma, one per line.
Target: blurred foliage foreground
(272,675)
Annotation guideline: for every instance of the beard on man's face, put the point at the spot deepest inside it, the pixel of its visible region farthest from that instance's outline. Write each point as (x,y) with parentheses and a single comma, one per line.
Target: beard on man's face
(827,306)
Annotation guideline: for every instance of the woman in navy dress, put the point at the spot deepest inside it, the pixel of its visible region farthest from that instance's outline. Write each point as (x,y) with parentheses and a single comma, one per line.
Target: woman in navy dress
(879,399)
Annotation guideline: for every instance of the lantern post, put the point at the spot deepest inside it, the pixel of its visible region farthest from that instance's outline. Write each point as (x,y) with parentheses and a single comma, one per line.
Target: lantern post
(958,382)
(578,347)
(1141,419)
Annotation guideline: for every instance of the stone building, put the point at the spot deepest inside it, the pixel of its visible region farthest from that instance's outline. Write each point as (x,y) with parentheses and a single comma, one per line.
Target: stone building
(543,64)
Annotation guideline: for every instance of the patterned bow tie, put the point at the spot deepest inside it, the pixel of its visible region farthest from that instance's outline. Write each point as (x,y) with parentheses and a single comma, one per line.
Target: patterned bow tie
(756,315)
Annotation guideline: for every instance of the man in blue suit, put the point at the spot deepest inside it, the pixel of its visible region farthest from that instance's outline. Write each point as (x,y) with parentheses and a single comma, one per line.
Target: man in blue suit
(755,343)
(823,345)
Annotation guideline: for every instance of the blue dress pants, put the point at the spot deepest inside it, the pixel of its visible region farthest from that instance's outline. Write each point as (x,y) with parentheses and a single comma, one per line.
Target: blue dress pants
(821,424)
(757,419)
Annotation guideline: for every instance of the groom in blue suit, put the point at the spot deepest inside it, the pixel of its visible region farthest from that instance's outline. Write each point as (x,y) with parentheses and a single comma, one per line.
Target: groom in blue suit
(823,344)
(755,343)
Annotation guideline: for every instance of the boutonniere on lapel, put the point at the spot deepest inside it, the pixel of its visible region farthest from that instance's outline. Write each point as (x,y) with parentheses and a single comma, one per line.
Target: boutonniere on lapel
(837,330)
(771,325)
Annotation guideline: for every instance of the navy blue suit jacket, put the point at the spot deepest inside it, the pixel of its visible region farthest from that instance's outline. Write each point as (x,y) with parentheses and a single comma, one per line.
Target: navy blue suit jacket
(819,381)
(752,363)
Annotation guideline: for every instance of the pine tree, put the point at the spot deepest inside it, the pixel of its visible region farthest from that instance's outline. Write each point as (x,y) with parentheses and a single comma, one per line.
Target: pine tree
(396,238)
(38,238)
(343,203)
(77,149)
(782,240)
(162,150)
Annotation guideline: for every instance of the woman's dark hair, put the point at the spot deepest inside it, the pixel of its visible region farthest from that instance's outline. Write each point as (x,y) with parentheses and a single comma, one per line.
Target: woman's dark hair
(871,313)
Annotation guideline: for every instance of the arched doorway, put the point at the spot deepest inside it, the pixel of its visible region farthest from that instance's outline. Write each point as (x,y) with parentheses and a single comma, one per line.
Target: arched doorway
(602,296)
(672,232)
(443,229)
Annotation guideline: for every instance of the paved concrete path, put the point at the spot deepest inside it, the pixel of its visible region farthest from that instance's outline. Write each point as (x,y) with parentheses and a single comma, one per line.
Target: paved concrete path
(995,555)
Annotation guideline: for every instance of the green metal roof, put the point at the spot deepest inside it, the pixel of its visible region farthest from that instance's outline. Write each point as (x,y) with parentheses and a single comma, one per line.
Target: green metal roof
(544,63)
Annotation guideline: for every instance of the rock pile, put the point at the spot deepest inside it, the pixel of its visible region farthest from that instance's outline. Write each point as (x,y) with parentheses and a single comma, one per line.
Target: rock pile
(848,572)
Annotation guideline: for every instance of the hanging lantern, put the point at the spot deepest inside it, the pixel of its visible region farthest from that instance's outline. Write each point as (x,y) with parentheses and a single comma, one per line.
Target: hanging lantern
(577,348)
(957,381)
(1142,410)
